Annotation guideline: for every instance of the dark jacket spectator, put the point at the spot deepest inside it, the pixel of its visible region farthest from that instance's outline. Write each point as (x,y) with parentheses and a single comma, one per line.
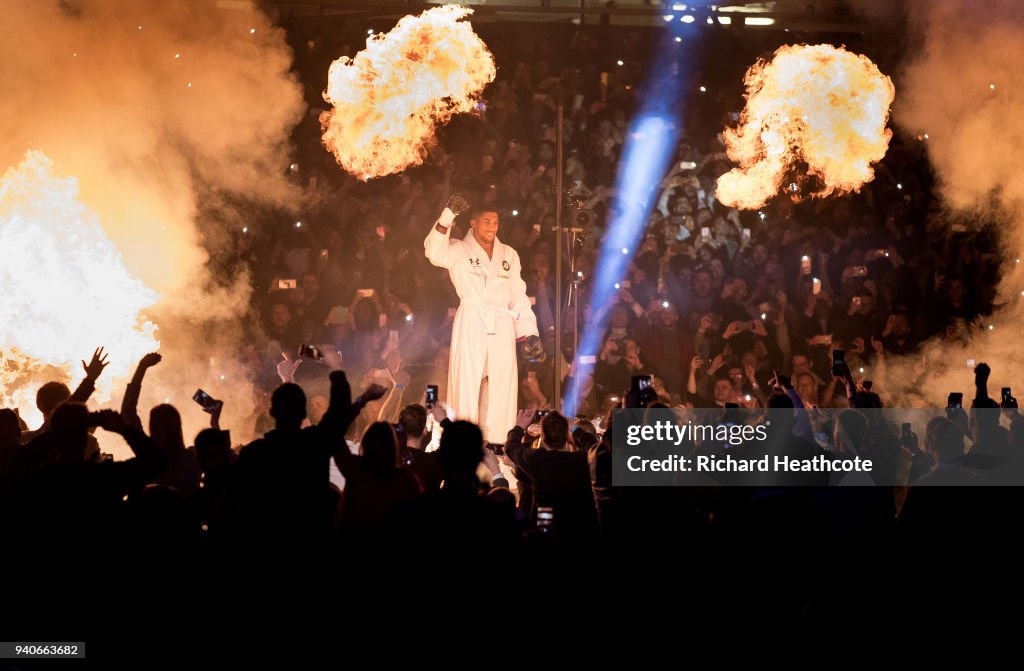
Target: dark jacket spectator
(461,527)
(69,498)
(413,421)
(375,482)
(283,478)
(560,480)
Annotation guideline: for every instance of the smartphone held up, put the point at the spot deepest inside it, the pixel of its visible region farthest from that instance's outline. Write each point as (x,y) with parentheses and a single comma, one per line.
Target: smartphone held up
(206,402)
(310,352)
(642,390)
(839,362)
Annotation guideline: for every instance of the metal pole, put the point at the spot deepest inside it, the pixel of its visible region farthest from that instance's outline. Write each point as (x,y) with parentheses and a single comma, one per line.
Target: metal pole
(556,393)
(576,324)
(575,300)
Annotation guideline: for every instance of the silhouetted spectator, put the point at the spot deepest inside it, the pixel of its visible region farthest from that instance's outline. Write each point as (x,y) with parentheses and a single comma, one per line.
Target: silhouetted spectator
(991,441)
(10,445)
(52,394)
(413,420)
(560,479)
(461,529)
(182,470)
(72,499)
(283,478)
(212,504)
(1017,436)
(944,443)
(375,482)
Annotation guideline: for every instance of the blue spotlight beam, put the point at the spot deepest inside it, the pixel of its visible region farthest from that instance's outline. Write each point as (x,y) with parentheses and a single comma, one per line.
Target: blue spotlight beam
(647,151)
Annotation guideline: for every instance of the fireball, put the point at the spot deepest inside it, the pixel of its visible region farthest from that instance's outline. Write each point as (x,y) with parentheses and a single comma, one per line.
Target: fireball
(815,118)
(389,100)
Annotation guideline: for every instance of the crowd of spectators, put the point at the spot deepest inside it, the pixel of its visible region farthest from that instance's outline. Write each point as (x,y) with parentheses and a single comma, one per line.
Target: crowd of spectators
(719,307)
(712,295)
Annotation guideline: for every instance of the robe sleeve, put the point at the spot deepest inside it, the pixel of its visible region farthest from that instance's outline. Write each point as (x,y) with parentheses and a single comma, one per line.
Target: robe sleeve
(525,319)
(437,243)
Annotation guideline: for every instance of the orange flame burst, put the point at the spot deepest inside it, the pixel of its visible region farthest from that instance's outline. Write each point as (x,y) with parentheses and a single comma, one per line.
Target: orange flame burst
(816,114)
(65,289)
(390,98)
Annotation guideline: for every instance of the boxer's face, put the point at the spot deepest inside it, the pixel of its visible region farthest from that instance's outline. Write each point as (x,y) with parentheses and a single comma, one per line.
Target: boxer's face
(485,227)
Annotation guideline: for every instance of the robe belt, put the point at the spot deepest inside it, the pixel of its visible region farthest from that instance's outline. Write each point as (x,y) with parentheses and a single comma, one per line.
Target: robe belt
(488,312)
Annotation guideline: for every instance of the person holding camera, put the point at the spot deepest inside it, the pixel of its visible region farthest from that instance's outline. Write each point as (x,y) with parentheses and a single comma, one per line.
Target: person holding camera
(494,314)
(555,476)
(618,363)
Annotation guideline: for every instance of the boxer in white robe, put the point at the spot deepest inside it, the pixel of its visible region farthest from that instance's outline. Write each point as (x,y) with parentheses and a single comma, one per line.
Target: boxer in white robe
(494,314)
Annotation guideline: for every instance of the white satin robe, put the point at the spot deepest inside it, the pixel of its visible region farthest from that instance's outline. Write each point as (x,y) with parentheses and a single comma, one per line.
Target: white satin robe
(483,385)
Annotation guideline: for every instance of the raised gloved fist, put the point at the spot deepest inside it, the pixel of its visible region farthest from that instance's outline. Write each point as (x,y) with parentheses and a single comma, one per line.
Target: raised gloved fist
(457,203)
(532,349)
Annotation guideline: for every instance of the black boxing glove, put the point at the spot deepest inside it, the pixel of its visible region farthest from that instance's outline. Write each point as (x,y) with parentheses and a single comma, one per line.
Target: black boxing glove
(457,203)
(532,349)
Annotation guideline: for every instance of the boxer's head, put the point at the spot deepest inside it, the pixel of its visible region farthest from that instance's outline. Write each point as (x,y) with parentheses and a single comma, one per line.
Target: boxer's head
(485,226)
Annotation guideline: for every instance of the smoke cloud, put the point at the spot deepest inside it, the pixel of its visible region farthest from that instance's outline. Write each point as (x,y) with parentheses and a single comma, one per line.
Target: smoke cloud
(963,85)
(158,109)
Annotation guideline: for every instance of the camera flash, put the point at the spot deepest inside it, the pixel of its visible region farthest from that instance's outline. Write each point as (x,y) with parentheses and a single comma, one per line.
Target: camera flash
(245,229)
(625,250)
(805,258)
(703,90)
(618,286)
(746,397)
(298,224)
(861,369)
(515,213)
(664,304)
(764,316)
(408,318)
(761,214)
